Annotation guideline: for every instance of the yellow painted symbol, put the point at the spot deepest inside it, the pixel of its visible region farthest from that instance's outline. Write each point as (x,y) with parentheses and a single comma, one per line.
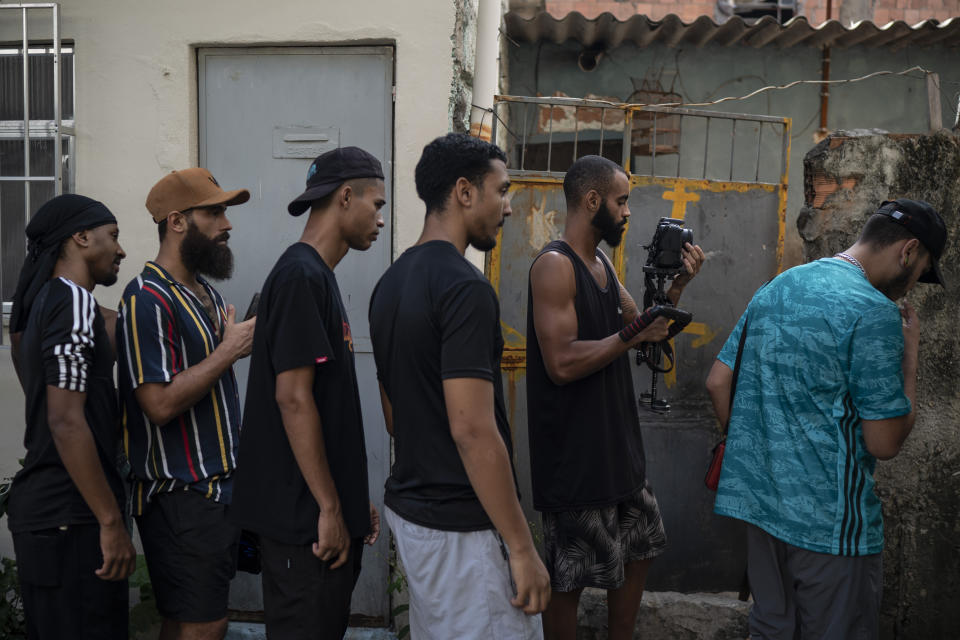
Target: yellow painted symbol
(704,335)
(680,198)
(670,377)
(513,338)
(541,225)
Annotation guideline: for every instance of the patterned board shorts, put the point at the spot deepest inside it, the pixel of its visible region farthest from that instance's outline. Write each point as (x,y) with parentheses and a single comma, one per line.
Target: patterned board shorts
(590,548)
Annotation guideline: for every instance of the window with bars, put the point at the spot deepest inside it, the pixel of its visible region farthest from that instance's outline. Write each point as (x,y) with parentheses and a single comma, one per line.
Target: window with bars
(28,154)
(752,10)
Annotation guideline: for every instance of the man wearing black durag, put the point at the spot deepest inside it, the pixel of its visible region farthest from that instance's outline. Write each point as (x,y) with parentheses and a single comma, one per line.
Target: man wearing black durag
(73,549)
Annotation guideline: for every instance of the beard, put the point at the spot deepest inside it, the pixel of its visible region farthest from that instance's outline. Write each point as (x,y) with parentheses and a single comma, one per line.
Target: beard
(610,230)
(898,286)
(483,244)
(206,256)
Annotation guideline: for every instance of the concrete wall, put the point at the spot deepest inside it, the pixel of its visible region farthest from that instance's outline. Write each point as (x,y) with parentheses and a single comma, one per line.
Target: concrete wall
(136,106)
(920,489)
(896,104)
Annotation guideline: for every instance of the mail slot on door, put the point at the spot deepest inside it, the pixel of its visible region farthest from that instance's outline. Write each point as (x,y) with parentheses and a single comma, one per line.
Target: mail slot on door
(304,142)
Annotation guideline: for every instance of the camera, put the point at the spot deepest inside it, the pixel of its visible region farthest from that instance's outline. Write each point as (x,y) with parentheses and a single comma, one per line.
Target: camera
(665,251)
(664,261)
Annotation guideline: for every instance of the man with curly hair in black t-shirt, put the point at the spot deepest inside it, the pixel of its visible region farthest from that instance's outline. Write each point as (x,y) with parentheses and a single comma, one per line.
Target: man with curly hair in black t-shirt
(451,498)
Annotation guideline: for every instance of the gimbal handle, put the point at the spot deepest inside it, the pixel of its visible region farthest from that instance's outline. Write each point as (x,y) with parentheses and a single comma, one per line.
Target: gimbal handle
(680,318)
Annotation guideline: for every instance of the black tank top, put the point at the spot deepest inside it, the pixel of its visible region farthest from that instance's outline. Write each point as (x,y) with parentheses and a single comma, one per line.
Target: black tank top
(586,450)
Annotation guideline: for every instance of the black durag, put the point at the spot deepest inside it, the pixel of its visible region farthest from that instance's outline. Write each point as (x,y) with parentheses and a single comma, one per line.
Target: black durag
(54,222)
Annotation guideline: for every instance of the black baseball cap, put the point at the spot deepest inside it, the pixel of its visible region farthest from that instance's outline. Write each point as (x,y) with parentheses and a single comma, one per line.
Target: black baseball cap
(331,169)
(926,225)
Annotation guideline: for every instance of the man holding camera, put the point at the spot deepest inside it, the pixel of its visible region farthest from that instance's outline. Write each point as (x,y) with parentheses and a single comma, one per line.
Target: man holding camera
(826,385)
(601,522)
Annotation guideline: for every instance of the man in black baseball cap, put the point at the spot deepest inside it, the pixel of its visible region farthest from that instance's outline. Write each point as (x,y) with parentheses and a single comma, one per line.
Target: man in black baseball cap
(332,169)
(921,220)
(832,376)
(303,483)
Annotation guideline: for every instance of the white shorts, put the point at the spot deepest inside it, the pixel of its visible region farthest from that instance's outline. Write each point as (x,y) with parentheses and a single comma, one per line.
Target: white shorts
(460,585)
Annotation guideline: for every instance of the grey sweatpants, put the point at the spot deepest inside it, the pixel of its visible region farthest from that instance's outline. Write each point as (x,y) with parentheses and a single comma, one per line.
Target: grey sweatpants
(800,594)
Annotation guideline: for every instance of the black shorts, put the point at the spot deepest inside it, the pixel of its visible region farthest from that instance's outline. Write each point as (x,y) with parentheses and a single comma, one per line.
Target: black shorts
(591,547)
(191,552)
(302,597)
(62,597)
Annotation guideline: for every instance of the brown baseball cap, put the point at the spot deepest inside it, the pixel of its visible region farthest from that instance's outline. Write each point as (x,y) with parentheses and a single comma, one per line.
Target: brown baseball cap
(190,189)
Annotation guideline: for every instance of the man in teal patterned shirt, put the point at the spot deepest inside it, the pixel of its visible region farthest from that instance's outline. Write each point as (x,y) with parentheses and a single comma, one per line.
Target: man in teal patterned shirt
(826,385)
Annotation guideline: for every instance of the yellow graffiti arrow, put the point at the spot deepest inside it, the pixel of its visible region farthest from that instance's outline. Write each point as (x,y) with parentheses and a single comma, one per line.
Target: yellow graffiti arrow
(703,332)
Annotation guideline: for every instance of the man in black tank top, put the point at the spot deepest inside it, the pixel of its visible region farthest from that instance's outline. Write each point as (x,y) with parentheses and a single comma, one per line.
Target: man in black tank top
(601,522)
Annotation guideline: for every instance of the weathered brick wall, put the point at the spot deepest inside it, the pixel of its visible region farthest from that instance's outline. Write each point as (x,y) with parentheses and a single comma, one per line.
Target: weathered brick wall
(845,179)
(884,11)
(910,11)
(624,9)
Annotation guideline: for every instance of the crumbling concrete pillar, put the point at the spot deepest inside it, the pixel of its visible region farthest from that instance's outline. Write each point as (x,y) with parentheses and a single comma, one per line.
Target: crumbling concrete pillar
(845,177)
(463,52)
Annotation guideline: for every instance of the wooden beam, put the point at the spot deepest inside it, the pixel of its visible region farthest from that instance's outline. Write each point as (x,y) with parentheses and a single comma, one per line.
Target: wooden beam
(933,101)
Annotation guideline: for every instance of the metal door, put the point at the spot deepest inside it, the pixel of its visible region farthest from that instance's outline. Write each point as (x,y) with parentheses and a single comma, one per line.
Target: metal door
(265,113)
(725,175)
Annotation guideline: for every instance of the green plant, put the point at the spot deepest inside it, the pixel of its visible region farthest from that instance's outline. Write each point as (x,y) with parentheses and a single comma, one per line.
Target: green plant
(536,533)
(13,624)
(397,584)
(144,614)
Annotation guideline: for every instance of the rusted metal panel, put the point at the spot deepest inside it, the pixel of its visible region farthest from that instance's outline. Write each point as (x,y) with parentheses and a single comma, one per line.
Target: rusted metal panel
(739,224)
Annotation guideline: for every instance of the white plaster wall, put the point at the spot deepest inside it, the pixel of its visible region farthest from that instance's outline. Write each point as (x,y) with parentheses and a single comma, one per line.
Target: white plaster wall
(136,106)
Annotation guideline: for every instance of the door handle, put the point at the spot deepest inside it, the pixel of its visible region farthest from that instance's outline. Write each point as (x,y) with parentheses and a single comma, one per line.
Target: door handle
(306,137)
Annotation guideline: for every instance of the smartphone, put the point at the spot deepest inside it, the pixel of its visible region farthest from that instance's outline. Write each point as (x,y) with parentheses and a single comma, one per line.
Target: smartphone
(252,309)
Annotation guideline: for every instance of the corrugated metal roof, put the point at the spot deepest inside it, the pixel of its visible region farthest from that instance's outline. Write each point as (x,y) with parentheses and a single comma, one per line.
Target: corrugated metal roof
(608,32)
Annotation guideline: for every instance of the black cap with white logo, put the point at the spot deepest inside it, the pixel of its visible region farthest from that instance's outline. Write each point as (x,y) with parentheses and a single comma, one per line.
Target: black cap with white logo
(926,225)
(331,169)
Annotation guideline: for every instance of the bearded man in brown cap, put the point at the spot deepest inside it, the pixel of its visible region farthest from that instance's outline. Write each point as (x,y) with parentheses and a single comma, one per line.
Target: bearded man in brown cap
(177,342)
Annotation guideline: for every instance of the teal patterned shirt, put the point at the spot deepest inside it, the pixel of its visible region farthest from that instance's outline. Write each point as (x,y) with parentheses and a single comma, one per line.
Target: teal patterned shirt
(823,351)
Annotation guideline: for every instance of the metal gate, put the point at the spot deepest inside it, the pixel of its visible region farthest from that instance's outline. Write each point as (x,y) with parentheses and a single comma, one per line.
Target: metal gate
(265,113)
(725,175)
(36,127)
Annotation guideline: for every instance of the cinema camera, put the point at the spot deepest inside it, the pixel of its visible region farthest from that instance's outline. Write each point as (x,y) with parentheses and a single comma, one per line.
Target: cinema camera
(664,262)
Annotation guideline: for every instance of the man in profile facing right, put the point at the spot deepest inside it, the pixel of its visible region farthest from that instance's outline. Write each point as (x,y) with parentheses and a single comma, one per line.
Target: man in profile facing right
(827,384)
(451,498)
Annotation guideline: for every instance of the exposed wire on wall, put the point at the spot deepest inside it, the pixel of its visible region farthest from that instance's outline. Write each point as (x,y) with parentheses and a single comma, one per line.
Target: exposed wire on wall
(789,85)
(769,88)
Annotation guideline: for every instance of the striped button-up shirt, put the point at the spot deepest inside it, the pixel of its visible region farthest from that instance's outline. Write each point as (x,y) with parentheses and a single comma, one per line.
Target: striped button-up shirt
(163,329)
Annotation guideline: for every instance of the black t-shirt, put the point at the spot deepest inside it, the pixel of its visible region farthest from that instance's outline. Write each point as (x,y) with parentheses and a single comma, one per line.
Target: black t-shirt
(301,321)
(586,450)
(433,316)
(64,345)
